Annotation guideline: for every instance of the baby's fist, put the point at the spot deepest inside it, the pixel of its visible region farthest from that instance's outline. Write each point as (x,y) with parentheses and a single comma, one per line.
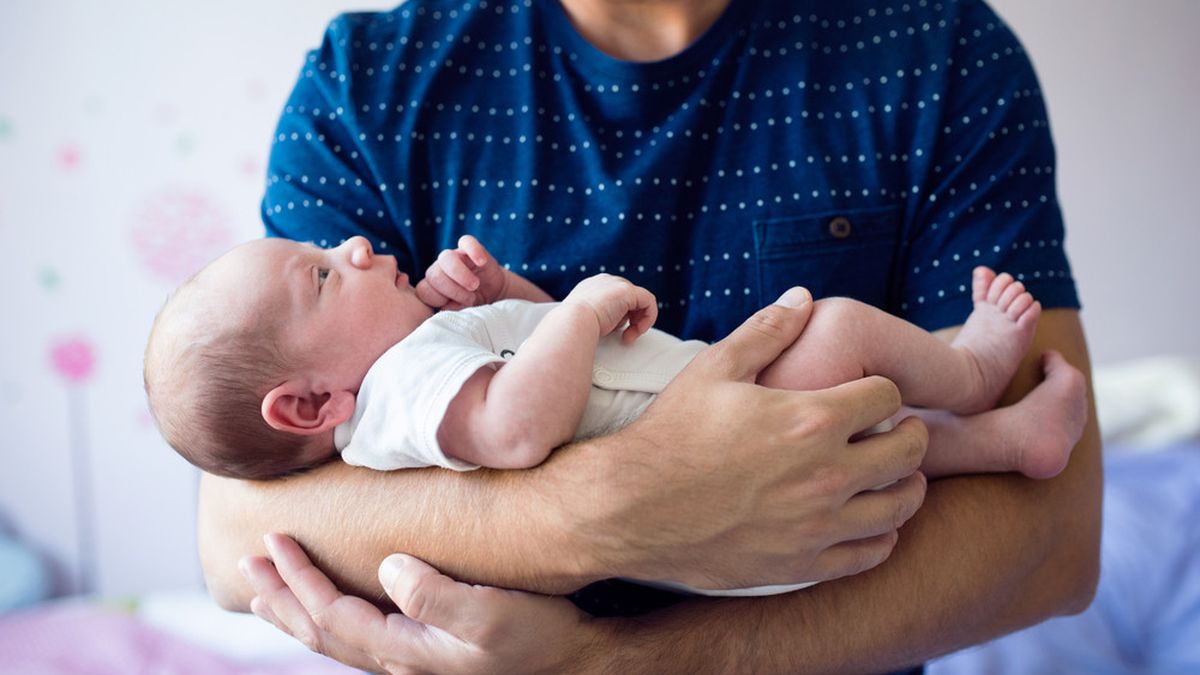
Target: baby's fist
(615,300)
(463,277)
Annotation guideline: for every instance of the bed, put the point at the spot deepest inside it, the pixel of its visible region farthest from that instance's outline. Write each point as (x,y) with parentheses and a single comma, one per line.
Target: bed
(1146,615)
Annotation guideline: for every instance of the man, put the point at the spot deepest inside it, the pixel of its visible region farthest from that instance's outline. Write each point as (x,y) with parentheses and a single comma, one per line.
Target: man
(718,153)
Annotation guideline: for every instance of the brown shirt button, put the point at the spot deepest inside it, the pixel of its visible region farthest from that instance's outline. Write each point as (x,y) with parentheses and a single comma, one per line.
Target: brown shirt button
(839,227)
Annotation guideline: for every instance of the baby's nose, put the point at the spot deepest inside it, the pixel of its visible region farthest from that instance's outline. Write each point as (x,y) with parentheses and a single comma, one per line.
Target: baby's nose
(361,252)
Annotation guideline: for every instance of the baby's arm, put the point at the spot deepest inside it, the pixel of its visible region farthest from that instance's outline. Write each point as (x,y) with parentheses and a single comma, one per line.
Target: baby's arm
(512,418)
(468,276)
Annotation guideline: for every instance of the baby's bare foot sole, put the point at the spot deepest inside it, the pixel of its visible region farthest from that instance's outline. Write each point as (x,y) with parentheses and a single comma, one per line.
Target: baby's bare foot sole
(1052,418)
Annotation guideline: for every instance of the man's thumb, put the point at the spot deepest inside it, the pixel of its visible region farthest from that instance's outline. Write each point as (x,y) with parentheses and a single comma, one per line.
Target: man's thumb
(794,297)
(760,339)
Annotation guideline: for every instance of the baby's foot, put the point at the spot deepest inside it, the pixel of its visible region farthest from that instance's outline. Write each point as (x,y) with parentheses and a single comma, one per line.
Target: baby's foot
(995,336)
(1049,421)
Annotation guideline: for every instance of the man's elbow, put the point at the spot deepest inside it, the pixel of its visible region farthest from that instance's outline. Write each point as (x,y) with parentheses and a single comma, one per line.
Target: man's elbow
(225,597)
(224,583)
(1063,579)
(221,578)
(1076,549)
(1085,577)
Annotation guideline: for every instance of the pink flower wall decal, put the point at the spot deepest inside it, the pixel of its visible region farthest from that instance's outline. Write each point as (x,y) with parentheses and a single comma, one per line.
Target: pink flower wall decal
(73,358)
(177,231)
(69,157)
(251,166)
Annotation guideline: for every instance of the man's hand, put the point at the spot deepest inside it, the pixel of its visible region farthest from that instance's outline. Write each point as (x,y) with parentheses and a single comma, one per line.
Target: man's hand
(445,626)
(615,300)
(799,502)
(463,277)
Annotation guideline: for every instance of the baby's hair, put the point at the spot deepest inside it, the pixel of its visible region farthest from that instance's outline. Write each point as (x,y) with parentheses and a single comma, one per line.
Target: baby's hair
(206,390)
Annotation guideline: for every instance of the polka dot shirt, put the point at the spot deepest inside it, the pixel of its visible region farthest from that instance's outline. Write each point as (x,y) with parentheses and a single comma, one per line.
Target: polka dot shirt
(866,149)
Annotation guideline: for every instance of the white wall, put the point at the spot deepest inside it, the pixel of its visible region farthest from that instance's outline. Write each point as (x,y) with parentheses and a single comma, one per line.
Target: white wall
(110,111)
(1122,80)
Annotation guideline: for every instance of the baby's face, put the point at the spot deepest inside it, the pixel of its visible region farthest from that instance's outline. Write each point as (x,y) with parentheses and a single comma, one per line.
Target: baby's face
(339,309)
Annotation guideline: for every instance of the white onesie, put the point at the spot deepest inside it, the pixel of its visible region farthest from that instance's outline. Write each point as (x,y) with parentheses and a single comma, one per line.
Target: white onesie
(406,392)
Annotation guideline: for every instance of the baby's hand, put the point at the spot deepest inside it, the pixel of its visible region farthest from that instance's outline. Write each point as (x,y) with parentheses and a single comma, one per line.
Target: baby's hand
(463,277)
(615,300)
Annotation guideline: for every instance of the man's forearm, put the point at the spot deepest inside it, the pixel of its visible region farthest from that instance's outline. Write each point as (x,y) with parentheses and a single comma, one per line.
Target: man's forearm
(985,555)
(930,598)
(477,526)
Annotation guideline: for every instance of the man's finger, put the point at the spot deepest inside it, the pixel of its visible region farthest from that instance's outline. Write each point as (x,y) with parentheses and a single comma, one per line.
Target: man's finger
(337,625)
(760,339)
(289,615)
(260,608)
(309,584)
(427,596)
(852,557)
(327,606)
(880,459)
(863,403)
(262,575)
(875,512)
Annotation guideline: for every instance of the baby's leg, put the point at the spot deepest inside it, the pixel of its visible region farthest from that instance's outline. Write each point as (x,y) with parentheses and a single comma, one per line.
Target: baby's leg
(846,340)
(1033,436)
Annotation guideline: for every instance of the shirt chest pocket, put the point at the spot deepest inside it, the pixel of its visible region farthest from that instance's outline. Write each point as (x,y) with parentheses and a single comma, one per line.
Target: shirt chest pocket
(849,253)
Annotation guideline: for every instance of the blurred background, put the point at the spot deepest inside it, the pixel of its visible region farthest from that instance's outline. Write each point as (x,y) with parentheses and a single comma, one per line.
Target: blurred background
(133,142)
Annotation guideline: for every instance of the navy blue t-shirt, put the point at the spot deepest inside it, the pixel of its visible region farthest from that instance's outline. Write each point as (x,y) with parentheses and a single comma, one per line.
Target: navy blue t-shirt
(876,152)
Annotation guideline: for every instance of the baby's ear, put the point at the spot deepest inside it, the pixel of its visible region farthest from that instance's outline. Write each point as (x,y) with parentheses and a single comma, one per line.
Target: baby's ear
(293,407)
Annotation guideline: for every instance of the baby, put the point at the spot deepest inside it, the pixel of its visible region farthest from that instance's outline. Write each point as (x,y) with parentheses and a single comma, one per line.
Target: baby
(279,355)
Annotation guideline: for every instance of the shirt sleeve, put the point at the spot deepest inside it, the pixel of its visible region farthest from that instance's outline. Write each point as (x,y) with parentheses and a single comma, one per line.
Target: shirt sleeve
(988,197)
(403,400)
(321,185)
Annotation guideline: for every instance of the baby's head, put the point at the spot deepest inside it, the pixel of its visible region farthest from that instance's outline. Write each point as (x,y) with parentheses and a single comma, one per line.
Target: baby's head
(253,362)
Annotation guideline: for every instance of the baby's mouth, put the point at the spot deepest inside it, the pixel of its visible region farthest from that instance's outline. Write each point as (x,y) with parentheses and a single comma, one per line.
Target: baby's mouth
(401,279)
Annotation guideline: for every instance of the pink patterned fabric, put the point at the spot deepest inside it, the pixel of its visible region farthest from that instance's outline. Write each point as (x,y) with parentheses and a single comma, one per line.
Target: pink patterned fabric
(83,639)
